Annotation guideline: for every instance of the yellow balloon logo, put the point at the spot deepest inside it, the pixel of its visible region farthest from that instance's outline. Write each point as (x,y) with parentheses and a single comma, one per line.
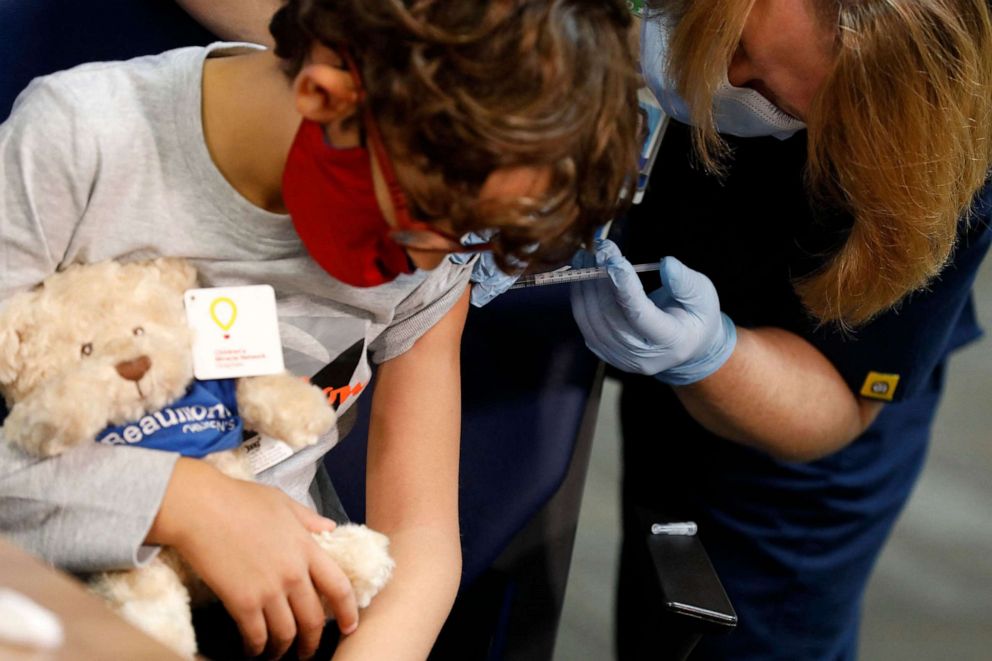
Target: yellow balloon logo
(223,311)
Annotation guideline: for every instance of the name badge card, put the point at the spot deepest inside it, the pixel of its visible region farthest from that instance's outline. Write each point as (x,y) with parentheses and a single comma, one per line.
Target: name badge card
(235,331)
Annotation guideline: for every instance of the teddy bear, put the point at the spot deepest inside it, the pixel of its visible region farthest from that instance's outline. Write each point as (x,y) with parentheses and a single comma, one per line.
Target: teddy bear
(102,353)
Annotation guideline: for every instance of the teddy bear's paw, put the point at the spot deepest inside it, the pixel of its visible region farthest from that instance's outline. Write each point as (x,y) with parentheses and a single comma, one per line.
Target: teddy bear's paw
(286,408)
(363,555)
(41,436)
(153,599)
(231,463)
(51,420)
(297,431)
(309,426)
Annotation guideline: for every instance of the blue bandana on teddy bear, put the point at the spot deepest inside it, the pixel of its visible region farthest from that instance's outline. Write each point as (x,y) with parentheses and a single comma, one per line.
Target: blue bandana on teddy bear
(202,421)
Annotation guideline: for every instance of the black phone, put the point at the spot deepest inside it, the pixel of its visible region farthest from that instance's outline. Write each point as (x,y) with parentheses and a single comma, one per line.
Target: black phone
(690,585)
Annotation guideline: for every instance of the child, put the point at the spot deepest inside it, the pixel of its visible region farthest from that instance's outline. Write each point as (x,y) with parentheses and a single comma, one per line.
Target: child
(372,124)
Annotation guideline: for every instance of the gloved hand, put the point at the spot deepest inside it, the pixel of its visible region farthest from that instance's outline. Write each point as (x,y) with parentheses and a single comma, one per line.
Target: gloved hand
(488,281)
(677,333)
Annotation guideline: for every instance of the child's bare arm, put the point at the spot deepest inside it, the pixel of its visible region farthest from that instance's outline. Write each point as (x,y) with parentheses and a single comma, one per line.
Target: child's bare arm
(241,20)
(413,494)
(252,545)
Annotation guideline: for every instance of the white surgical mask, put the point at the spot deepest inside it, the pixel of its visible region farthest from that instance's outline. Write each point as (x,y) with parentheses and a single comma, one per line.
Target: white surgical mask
(737,111)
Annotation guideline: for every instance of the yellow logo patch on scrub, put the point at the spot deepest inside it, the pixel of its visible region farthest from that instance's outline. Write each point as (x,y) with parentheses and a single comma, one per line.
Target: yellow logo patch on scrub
(880,386)
(235,332)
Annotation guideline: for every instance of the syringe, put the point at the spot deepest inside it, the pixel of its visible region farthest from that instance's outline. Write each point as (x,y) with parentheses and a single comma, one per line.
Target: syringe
(567,274)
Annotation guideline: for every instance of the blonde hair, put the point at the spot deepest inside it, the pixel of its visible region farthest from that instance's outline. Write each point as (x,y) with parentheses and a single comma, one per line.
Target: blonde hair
(900,133)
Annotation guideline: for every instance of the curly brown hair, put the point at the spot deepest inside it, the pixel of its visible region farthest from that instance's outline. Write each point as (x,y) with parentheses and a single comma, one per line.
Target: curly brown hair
(463,87)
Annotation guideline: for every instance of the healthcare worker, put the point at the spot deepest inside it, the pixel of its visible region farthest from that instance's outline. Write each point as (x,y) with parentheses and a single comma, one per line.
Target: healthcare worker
(821,203)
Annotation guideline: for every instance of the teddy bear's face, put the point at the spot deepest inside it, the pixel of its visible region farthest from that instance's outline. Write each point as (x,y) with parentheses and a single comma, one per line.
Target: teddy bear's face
(99,341)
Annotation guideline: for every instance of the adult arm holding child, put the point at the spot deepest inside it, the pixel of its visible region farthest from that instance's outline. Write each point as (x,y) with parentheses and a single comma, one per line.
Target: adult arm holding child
(236,20)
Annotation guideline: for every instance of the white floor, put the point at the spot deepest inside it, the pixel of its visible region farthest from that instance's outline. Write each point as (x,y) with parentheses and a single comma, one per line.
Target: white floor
(931,595)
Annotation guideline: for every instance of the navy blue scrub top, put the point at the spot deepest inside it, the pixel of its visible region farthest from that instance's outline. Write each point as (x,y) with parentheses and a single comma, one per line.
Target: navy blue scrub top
(756,230)
(793,543)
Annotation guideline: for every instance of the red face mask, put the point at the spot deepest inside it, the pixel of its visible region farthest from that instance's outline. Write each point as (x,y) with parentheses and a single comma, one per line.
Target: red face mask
(330,196)
(331,199)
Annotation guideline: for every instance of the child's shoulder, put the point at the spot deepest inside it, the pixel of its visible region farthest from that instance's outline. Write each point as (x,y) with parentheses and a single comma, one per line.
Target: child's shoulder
(97,86)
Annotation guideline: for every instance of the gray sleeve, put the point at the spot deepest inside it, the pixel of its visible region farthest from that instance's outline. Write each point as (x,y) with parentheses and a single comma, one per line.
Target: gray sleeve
(89,508)
(49,161)
(86,510)
(423,308)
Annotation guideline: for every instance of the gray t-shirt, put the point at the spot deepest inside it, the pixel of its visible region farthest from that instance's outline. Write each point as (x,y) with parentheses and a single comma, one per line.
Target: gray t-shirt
(108,161)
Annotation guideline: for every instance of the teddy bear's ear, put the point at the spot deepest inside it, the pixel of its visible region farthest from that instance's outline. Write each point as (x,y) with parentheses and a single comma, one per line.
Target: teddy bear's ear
(10,343)
(13,318)
(176,273)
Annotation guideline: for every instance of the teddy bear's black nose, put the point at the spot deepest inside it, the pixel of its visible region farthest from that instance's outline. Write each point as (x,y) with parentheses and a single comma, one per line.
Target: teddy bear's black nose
(133,370)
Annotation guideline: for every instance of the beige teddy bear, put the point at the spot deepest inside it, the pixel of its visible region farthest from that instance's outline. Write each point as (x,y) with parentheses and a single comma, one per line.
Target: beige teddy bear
(107,344)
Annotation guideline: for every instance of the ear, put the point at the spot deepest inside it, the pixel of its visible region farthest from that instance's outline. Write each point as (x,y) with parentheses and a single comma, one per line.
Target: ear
(175,273)
(324,93)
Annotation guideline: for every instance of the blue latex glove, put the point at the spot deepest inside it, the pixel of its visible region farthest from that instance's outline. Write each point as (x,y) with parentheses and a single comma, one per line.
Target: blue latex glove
(677,333)
(488,281)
